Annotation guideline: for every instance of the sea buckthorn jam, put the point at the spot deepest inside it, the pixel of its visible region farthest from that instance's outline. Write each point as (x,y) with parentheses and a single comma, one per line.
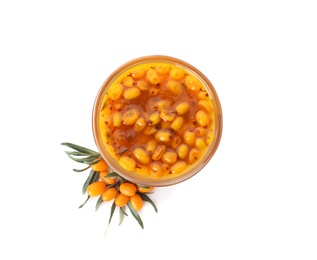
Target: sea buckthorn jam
(157,119)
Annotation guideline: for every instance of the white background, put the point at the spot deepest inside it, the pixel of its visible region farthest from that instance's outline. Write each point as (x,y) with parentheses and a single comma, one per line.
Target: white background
(256,199)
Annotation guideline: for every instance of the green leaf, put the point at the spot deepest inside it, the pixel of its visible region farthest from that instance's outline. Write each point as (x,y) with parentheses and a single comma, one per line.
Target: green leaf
(97,160)
(112,174)
(121,215)
(89,180)
(135,214)
(99,201)
(77,153)
(92,159)
(147,198)
(113,207)
(81,170)
(80,148)
(84,202)
(95,177)
(143,186)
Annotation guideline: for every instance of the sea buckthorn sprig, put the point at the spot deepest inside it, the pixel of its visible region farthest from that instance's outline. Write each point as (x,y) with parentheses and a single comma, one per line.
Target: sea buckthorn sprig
(102,181)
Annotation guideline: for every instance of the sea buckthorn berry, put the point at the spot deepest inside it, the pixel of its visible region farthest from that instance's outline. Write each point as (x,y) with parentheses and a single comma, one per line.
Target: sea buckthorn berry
(107,180)
(136,201)
(142,169)
(202,118)
(156,170)
(107,109)
(142,85)
(140,124)
(141,155)
(177,73)
(176,141)
(150,129)
(200,131)
(96,188)
(117,119)
(131,93)
(109,194)
(128,82)
(177,123)
(107,120)
(154,118)
(166,168)
(152,76)
(119,105)
(127,163)
(200,143)
(210,137)
(163,135)
(169,157)
(205,104)
(158,152)
(138,73)
(203,94)
(189,137)
(162,69)
(193,155)
(130,117)
(145,189)
(99,166)
(121,200)
(182,108)
(175,87)
(182,151)
(192,83)
(115,91)
(168,114)
(150,145)
(178,167)
(164,103)
(127,188)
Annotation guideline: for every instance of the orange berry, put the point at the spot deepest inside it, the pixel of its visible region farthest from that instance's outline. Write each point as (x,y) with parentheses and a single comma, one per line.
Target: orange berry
(107,180)
(136,202)
(128,188)
(145,189)
(121,200)
(96,188)
(99,166)
(109,194)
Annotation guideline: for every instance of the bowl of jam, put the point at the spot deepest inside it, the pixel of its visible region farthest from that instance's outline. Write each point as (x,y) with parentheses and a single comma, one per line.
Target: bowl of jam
(157,120)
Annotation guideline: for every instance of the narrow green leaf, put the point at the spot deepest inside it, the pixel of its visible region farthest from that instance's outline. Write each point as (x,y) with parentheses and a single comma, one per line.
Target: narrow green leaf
(81,170)
(97,160)
(80,160)
(143,186)
(77,153)
(113,207)
(84,202)
(110,169)
(95,177)
(99,201)
(121,216)
(147,198)
(92,159)
(112,174)
(123,210)
(135,214)
(89,180)
(80,148)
